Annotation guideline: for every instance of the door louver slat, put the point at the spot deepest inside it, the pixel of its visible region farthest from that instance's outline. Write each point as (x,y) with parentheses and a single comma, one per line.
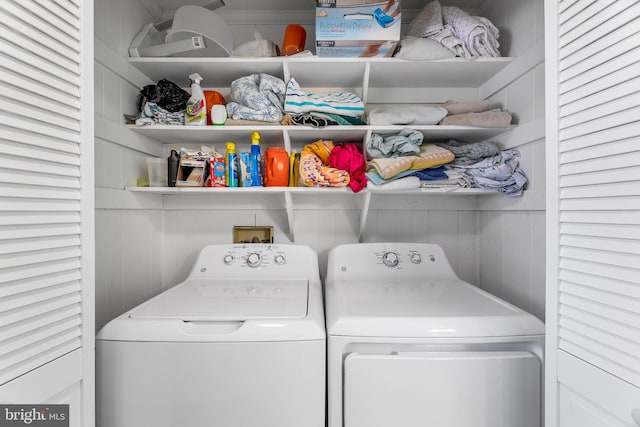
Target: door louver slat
(41,280)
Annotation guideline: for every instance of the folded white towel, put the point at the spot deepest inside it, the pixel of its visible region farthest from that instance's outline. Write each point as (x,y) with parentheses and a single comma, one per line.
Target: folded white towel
(406,183)
(407,115)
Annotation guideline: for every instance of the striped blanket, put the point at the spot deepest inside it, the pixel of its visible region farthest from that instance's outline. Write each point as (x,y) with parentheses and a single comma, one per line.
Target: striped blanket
(342,103)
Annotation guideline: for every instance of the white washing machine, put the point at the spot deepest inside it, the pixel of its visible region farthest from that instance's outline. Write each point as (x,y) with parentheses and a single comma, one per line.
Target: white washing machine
(240,343)
(411,345)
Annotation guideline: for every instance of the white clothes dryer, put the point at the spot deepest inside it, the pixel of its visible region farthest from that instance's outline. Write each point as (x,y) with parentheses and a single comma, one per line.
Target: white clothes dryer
(241,342)
(410,344)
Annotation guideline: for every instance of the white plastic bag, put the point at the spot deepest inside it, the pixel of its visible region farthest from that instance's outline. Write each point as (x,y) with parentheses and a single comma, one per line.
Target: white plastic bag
(257,48)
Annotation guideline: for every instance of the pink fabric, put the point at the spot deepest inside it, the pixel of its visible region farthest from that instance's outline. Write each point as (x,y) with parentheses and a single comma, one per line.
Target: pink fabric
(349,157)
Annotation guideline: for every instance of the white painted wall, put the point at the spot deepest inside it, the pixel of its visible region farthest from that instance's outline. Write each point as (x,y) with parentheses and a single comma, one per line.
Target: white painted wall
(511,232)
(143,249)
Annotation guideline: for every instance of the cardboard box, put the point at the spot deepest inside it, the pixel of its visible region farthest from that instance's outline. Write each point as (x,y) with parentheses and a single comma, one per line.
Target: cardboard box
(245,234)
(191,173)
(357,28)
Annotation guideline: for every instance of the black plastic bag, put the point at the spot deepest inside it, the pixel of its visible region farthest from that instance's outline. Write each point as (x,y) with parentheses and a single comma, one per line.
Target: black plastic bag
(166,94)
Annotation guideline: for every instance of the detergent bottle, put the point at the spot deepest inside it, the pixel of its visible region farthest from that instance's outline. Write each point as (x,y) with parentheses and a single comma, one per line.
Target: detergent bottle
(196,109)
(231,159)
(256,161)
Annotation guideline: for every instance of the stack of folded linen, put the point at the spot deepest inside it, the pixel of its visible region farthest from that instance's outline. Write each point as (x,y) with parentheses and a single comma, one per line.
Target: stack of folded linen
(465,35)
(396,157)
(475,113)
(483,165)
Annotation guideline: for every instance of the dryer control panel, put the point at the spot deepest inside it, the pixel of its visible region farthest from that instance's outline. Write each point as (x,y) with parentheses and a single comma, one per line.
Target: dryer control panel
(388,261)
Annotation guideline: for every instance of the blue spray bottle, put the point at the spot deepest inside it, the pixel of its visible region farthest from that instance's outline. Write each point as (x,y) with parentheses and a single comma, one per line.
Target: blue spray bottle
(256,161)
(231,159)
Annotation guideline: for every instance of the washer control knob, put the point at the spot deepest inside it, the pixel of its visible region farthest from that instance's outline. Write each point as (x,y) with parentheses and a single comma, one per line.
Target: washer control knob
(254,260)
(415,258)
(279,259)
(228,259)
(390,259)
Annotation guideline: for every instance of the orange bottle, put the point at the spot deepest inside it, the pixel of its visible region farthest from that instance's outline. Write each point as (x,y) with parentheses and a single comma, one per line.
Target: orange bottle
(276,167)
(295,37)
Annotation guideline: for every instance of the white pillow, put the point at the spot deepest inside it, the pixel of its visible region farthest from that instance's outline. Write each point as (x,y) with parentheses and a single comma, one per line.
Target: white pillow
(422,49)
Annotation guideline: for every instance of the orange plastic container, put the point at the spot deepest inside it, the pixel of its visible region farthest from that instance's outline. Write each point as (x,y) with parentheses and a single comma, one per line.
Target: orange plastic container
(212,97)
(295,37)
(276,167)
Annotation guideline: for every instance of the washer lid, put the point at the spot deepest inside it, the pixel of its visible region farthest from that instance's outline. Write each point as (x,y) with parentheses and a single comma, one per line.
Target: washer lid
(228,299)
(423,309)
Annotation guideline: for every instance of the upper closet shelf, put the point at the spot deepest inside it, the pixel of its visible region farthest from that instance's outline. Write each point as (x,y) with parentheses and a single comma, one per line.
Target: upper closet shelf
(328,72)
(170,134)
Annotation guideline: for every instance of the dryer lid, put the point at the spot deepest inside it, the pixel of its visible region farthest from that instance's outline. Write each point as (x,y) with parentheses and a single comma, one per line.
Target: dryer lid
(227,300)
(424,309)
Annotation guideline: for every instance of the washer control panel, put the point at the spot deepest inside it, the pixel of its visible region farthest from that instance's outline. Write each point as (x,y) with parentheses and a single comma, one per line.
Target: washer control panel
(254,257)
(260,259)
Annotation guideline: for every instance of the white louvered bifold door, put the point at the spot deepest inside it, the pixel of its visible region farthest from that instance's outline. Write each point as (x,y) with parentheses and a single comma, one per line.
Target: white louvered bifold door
(46,206)
(593,141)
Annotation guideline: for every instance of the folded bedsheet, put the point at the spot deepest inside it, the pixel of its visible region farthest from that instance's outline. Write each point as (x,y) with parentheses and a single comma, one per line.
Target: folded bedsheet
(430,155)
(501,172)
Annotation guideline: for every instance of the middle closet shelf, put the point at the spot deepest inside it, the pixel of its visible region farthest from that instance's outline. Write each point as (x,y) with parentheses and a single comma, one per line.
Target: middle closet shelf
(278,134)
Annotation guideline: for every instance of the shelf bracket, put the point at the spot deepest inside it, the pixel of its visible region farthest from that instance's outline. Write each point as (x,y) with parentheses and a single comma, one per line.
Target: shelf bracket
(364,213)
(288,202)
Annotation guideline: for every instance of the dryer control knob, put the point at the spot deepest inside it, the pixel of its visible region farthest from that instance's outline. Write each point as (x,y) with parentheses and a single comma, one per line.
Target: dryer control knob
(228,259)
(254,260)
(390,259)
(415,258)
(280,259)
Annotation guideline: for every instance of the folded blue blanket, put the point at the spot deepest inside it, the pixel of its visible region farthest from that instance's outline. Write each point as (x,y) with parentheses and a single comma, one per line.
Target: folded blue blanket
(257,97)
(430,174)
(501,172)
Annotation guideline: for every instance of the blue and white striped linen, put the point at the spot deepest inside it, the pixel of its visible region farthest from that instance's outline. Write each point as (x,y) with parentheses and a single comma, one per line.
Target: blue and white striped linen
(341,103)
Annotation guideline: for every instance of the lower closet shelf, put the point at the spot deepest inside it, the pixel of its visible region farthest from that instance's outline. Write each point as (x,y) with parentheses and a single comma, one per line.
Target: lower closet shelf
(314,190)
